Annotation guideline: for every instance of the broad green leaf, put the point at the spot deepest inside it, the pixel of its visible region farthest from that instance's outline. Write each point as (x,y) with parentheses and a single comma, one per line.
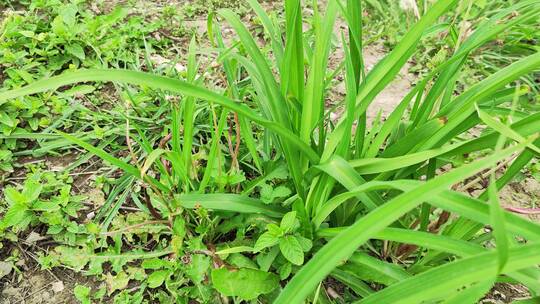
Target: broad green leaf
(305,243)
(116,282)
(288,222)
(32,189)
(15,215)
(179,227)
(266,240)
(12,196)
(245,283)
(291,250)
(76,50)
(47,206)
(284,271)
(156,278)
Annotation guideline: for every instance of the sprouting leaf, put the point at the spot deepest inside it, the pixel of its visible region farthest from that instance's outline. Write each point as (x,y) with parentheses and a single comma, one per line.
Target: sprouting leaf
(32,189)
(58,27)
(55,229)
(274,229)
(13,196)
(45,206)
(288,222)
(291,250)
(269,194)
(82,293)
(8,119)
(72,208)
(76,50)
(266,240)
(157,278)
(15,215)
(245,283)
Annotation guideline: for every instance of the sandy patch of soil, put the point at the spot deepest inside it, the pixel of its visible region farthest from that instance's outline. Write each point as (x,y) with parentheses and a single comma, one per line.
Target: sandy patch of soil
(43,287)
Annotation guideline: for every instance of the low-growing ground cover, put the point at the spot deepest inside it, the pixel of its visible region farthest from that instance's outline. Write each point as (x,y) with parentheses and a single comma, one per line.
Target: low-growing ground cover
(218,152)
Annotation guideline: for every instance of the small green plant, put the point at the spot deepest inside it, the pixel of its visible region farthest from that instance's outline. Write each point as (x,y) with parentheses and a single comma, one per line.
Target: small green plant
(291,243)
(42,200)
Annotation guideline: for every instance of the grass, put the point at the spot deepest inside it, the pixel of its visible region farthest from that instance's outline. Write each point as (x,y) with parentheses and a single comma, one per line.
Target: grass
(251,184)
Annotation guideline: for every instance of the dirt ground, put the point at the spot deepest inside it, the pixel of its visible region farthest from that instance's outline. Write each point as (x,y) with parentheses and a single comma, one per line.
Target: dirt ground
(34,286)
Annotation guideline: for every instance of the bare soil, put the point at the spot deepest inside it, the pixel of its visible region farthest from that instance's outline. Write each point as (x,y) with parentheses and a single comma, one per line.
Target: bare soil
(36,286)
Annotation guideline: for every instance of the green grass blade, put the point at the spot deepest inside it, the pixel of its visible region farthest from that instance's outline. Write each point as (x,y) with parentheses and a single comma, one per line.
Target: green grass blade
(498,224)
(342,246)
(377,165)
(418,238)
(215,150)
(357,285)
(503,129)
(462,107)
(114,161)
(385,71)
(229,202)
(313,103)
(189,109)
(443,280)
(391,272)
(273,32)
(292,77)
(164,83)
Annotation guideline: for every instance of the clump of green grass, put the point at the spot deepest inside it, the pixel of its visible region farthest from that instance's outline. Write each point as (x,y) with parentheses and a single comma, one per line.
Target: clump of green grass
(298,198)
